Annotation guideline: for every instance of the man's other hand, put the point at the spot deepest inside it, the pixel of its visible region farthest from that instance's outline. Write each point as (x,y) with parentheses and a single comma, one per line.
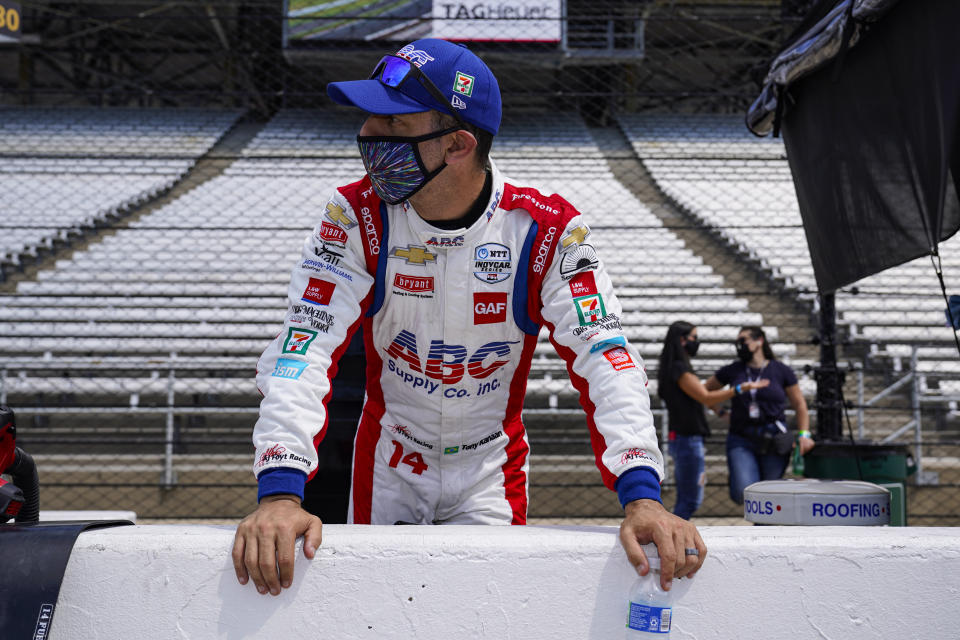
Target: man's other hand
(647,521)
(263,548)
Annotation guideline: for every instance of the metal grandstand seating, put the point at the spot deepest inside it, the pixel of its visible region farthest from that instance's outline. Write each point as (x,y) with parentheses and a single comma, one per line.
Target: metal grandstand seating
(75,168)
(740,186)
(190,278)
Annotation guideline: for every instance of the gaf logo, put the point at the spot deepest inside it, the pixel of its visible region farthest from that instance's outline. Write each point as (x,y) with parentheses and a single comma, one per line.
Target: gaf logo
(413,284)
(619,358)
(332,233)
(318,291)
(583,284)
(489,307)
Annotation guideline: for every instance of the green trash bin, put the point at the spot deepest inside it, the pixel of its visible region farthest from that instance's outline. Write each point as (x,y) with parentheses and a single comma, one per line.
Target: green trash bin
(887,465)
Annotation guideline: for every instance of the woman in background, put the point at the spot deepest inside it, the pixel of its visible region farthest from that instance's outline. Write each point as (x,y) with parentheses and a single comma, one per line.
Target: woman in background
(685,396)
(759,442)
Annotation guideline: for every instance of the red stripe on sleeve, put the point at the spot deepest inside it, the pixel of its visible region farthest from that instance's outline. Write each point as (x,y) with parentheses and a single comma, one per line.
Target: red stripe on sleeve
(368,433)
(517,449)
(597,441)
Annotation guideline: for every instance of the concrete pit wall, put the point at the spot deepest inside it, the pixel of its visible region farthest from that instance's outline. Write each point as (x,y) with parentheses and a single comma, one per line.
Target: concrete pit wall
(169,582)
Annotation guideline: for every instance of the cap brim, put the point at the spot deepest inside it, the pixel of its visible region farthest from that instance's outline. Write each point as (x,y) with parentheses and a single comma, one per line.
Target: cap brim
(373,97)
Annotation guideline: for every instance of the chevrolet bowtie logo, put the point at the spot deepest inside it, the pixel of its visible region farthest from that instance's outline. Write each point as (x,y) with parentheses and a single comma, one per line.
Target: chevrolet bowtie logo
(575,237)
(413,254)
(336,214)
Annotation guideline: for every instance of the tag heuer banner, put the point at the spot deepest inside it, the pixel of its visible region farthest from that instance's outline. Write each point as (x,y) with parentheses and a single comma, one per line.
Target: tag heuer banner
(514,20)
(9,21)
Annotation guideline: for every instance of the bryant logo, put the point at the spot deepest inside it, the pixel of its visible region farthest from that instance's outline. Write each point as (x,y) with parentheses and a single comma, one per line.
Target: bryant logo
(490,307)
(414,284)
(332,232)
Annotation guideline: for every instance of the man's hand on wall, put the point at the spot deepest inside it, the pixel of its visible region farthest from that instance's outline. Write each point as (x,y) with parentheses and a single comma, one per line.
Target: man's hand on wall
(263,548)
(647,521)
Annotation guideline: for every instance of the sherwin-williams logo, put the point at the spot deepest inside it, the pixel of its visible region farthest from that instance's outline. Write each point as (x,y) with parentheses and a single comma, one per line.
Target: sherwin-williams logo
(589,308)
(289,369)
(583,284)
(318,291)
(298,340)
(619,358)
(332,233)
(413,284)
(489,307)
(463,84)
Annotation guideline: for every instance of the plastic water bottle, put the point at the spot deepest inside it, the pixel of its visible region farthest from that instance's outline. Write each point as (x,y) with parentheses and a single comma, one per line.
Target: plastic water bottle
(651,608)
(799,464)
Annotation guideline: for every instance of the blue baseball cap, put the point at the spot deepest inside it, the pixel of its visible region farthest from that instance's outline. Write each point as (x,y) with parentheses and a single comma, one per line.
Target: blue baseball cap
(462,77)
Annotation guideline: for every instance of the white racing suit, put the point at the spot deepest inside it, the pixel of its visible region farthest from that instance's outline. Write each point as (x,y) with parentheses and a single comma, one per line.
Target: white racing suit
(450,320)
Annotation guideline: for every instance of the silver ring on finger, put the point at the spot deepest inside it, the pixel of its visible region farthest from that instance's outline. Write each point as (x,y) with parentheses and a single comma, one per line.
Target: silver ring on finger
(691,551)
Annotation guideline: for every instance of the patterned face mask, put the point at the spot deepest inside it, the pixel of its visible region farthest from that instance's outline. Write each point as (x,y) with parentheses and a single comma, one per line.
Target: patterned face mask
(394,164)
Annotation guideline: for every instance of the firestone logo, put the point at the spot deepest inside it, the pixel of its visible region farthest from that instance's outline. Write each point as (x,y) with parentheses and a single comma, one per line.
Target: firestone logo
(535,202)
(540,262)
(370,230)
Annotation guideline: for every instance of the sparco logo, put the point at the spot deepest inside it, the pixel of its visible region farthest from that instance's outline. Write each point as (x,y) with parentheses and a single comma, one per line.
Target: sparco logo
(541,260)
(371,231)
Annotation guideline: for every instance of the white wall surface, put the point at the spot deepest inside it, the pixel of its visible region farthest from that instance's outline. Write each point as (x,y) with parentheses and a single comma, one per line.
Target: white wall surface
(840,583)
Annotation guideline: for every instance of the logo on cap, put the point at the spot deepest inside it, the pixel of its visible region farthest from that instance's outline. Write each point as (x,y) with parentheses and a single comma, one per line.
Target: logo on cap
(463,84)
(457,102)
(416,56)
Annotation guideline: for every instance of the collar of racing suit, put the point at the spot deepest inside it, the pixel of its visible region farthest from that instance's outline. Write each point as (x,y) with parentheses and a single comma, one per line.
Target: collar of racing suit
(474,212)
(435,236)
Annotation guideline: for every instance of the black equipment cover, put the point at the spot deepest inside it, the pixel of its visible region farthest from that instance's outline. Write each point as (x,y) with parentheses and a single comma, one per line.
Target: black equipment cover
(33,558)
(873,141)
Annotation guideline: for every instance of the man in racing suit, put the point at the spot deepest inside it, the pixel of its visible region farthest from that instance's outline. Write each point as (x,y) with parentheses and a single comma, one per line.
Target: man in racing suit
(452,269)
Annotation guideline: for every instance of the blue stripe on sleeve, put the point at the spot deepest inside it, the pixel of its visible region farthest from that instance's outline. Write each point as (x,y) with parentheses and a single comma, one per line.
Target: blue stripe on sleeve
(638,483)
(280,480)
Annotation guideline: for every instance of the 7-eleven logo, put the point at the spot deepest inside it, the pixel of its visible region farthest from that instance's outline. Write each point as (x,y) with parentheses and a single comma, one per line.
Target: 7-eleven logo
(298,340)
(590,309)
(463,84)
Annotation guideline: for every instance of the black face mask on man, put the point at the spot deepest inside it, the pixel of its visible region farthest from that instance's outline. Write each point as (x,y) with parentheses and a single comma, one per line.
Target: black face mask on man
(691,347)
(743,351)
